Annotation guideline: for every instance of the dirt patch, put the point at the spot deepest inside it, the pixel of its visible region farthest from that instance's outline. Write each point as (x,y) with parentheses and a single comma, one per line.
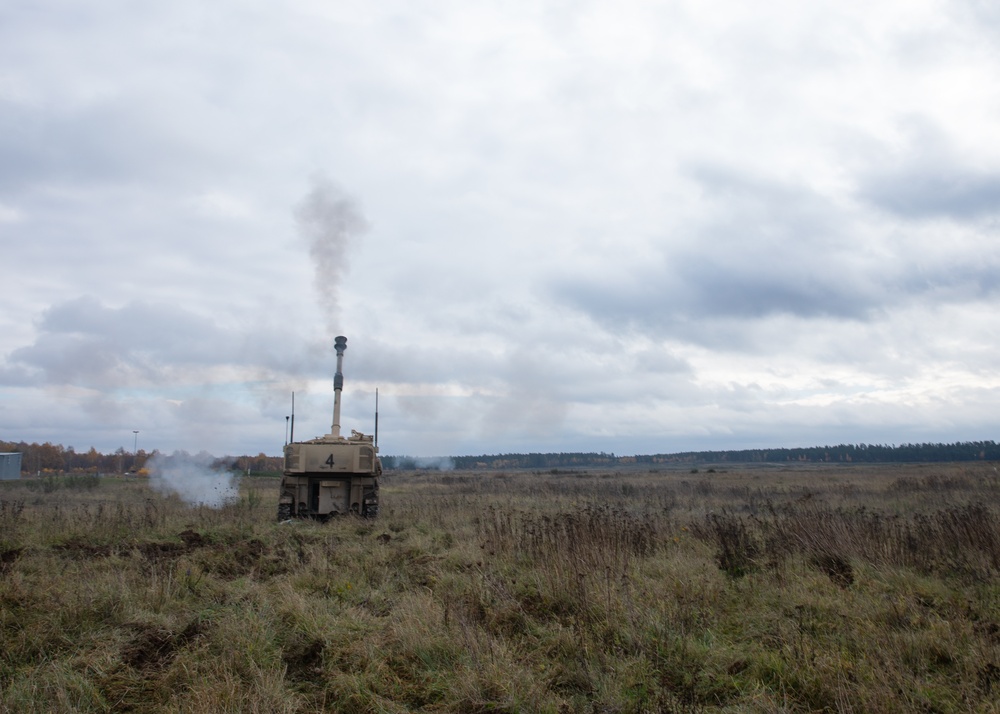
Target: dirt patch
(154,647)
(79,548)
(246,558)
(155,550)
(837,568)
(989,630)
(192,539)
(9,556)
(303,659)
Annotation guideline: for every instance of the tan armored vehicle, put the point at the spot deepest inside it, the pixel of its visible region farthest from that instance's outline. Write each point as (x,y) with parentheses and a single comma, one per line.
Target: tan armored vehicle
(331,475)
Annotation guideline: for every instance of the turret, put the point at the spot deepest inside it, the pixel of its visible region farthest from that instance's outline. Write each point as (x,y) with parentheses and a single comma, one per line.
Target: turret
(340,344)
(331,475)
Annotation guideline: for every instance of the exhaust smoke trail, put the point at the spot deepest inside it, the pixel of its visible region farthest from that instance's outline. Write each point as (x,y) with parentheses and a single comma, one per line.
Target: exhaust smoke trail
(329,219)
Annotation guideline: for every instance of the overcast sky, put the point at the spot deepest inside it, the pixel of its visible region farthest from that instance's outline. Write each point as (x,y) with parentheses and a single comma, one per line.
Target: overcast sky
(633,227)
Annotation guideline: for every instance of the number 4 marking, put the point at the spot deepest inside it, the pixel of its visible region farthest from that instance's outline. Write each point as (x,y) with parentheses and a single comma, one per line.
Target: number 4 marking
(329,461)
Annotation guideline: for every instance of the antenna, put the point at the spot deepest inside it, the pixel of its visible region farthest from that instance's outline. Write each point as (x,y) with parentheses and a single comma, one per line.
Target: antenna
(293,417)
(376,417)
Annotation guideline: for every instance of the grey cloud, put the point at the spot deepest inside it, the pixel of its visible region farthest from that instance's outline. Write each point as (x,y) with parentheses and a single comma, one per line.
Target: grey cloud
(926,191)
(764,248)
(767,249)
(660,362)
(965,278)
(928,178)
(142,325)
(82,342)
(562,224)
(717,303)
(982,17)
(707,288)
(415,362)
(103,143)
(69,360)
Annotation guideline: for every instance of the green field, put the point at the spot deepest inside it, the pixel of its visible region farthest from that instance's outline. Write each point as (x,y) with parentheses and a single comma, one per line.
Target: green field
(764,589)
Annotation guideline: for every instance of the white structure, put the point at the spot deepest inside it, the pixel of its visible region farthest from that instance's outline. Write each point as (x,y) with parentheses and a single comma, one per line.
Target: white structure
(10,466)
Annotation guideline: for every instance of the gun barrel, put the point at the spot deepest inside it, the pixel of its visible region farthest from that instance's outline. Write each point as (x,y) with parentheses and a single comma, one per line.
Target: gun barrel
(340,344)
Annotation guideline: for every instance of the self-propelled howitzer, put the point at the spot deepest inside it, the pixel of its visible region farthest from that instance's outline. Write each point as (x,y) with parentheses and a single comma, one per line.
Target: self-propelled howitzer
(331,475)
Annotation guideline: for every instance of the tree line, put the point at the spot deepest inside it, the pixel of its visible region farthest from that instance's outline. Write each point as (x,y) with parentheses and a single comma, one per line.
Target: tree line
(841,453)
(48,458)
(54,458)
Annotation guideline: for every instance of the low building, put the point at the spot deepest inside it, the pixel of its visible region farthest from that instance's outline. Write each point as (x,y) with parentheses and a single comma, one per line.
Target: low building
(10,466)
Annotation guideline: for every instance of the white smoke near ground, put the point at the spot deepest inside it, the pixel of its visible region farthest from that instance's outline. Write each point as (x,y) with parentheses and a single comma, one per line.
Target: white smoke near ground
(430,463)
(329,219)
(441,463)
(193,478)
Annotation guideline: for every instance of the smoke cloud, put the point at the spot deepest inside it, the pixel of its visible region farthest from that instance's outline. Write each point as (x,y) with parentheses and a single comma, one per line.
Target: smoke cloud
(329,219)
(193,479)
(430,463)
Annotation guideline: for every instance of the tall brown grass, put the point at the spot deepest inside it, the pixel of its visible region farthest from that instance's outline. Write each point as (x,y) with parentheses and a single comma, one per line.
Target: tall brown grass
(756,589)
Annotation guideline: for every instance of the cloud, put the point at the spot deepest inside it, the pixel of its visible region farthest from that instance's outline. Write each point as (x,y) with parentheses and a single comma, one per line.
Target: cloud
(109,142)
(935,190)
(763,247)
(926,175)
(760,248)
(931,179)
(584,227)
(9,215)
(86,343)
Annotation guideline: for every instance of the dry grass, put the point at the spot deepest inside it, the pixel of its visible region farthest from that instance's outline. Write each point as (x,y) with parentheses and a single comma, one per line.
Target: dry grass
(849,589)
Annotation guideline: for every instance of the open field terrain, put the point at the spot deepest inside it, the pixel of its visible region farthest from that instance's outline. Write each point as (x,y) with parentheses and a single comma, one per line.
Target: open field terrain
(764,589)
